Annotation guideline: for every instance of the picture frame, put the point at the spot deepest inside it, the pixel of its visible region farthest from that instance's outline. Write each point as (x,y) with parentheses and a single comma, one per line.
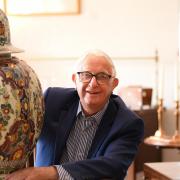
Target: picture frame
(41,7)
(2,4)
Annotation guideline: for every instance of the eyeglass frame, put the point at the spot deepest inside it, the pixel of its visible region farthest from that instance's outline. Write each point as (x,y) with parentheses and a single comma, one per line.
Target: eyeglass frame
(94,75)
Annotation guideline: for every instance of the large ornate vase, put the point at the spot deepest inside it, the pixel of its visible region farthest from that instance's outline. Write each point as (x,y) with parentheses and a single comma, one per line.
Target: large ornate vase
(21,113)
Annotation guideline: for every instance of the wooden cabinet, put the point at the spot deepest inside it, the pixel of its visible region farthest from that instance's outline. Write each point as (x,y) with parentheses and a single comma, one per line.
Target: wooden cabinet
(147,153)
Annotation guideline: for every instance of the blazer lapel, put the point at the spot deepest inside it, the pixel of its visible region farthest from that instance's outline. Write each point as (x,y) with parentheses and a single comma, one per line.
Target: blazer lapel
(103,129)
(66,121)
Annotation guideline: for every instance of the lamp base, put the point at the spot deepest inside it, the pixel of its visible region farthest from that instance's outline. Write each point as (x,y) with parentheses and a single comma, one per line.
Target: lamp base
(163,141)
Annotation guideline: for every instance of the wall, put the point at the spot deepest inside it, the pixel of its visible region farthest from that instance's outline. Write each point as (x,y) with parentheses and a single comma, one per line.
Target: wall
(121,28)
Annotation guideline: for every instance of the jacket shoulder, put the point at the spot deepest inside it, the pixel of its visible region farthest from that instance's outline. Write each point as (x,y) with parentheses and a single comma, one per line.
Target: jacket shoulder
(59,95)
(57,99)
(122,109)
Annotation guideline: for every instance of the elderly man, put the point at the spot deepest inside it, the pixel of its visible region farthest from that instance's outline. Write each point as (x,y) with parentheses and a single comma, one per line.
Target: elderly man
(88,132)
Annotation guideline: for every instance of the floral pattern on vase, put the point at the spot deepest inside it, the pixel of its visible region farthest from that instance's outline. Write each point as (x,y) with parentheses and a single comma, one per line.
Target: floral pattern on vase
(21,113)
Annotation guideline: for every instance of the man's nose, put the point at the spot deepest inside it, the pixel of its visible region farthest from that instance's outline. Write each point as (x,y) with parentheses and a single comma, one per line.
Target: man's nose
(93,82)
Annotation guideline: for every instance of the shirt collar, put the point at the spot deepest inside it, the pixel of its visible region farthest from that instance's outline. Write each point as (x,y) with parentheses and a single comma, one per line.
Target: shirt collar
(98,116)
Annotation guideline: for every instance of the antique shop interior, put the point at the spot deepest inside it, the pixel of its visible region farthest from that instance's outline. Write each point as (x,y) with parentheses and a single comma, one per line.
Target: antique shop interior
(142,37)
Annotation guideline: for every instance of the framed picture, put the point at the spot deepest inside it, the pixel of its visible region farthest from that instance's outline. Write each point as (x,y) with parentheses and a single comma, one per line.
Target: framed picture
(42,7)
(2,5)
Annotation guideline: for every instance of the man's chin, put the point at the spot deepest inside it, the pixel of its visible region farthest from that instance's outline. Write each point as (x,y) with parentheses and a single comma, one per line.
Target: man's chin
(92,102)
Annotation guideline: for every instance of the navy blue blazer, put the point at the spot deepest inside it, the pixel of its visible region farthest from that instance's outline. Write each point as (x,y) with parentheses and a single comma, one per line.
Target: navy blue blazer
(114,145)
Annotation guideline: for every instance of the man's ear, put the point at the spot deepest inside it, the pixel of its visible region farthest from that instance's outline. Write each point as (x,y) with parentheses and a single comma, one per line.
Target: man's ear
(74,78)
(115,82)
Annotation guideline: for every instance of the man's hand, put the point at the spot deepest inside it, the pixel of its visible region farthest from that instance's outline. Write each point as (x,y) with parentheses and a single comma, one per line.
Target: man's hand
(34,173)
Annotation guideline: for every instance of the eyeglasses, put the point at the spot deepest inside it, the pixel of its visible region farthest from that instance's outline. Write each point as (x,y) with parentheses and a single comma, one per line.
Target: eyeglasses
(101,78)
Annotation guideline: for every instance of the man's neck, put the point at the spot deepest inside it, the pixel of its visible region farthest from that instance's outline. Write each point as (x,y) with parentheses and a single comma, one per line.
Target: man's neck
(89,111)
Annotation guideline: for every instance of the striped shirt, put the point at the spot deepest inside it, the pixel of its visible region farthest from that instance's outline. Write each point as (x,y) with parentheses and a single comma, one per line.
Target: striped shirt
(80,139)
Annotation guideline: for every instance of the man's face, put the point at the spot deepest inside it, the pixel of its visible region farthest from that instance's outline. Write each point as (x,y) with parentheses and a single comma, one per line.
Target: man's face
(92,94)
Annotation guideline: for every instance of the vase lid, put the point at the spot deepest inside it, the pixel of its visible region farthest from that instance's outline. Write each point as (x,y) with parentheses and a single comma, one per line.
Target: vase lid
(5,40)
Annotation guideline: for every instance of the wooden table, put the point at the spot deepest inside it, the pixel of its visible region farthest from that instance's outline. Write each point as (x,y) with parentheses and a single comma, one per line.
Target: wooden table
(162,171)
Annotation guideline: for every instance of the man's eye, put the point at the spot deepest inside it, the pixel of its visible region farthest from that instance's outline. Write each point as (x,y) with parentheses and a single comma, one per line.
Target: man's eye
(87,75)
(102,76)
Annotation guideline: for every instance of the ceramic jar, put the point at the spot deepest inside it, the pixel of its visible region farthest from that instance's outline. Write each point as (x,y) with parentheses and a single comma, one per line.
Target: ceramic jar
(21,105)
